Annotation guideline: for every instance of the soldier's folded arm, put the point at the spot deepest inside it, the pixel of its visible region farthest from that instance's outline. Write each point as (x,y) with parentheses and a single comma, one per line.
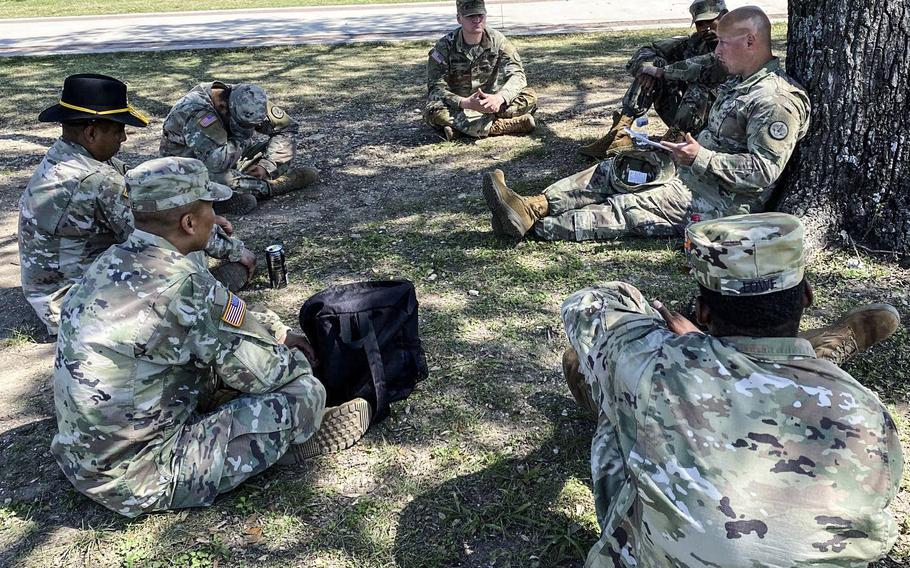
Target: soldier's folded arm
(772,131)
(614,312)
(692,69)
(211,144)
(246,354)
(437,70)
(112,205)
(223,247)
(511,68)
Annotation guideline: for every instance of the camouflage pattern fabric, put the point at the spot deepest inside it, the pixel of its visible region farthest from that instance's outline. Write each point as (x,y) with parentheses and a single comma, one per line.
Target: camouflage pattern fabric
(752,130)
(73,208)
(194,129)
(145,339)
(456,70)
(728,451)
(747,255)
(683,97)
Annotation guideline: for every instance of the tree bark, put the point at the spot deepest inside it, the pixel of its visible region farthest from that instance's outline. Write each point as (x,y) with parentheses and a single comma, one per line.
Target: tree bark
(850,175)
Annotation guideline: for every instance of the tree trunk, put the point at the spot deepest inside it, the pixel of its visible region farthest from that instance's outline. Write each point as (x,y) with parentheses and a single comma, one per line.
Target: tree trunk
(850,175)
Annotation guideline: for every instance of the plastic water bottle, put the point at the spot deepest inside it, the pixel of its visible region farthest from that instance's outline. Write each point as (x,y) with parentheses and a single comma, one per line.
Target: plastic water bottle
(640,127)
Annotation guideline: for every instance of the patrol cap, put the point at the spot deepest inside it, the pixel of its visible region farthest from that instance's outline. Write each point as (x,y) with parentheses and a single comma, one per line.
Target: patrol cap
(248,104)
(168,183)
(747,255)
(471,7)
(702,10)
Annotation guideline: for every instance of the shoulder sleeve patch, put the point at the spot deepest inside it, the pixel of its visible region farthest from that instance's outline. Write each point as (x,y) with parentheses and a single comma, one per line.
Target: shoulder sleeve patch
(778,130)
(208,120)
(437,57)
(234,311)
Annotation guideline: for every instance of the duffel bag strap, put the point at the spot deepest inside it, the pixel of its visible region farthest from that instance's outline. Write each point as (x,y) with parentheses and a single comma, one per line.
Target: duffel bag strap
(370,347)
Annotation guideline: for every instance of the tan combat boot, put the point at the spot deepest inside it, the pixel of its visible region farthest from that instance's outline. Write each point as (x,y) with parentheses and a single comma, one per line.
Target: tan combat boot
(295,179)
(523,124)
(621,141)
(580,390)
(674,135)
(599,148)
(238,204)
(858,330)
(516,214)
(342,427)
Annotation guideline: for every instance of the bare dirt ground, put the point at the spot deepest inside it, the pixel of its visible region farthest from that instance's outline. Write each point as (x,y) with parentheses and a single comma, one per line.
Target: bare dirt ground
(487,463)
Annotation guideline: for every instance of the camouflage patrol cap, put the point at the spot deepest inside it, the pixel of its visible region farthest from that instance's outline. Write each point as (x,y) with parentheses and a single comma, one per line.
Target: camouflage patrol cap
(747,255)
(706,9)
(167,183)
(248,105)
(471,7)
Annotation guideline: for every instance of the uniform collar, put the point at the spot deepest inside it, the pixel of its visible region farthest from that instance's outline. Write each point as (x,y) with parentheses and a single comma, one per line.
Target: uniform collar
(144,239)
(772,348)
(770,67)
(66,147)
(485,41)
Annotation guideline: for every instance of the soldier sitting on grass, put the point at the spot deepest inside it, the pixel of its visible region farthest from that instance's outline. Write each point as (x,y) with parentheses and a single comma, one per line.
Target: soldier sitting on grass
(745,446)
(752,129)
(476,83)
(75,205)
(148,344)
(218,124)
(677,76)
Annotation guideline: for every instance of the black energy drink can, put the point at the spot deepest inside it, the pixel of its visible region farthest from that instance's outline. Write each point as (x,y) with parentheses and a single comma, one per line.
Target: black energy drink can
(274,260)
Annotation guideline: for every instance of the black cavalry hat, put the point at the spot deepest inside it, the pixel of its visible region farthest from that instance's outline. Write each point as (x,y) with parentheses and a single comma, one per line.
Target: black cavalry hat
(88,97)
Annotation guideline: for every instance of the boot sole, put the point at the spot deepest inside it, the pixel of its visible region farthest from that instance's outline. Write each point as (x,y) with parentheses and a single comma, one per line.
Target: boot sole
(342,427)
(508,221)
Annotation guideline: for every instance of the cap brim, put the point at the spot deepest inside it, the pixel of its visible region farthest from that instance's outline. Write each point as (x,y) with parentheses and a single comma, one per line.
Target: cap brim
(475,13)
(216,192)
(58,113)
(705,16)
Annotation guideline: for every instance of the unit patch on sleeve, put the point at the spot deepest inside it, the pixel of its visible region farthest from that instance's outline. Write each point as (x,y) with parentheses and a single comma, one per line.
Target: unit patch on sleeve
(234,311)
(207,120)
(778,130)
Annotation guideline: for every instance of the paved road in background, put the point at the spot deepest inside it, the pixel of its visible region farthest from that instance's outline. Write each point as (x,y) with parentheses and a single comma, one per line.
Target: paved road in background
(330,25)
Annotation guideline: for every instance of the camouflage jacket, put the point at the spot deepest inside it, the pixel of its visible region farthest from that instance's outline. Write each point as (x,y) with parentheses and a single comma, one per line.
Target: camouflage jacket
(73,208)
(728,451)
(194,129)
(683,58)
(144,336)
(752,130)
(456,70)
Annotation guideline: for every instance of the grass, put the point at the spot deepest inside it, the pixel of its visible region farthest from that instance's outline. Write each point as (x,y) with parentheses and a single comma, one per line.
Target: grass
(488,462)
(46,8)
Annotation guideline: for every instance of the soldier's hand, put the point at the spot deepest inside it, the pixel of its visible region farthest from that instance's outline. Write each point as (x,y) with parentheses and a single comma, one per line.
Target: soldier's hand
(225,225)
(257,171)
(297,341)
(248,260)
(676,322)
(683,152)
(651,71)
(472,102)
(491,103)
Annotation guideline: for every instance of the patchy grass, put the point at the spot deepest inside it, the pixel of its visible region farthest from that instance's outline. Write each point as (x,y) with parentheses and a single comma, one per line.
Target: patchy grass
(46,8)
(487,463)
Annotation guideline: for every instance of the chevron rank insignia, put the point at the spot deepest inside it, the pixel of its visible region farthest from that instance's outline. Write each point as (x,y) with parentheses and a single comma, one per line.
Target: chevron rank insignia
(207,120)
(234,311)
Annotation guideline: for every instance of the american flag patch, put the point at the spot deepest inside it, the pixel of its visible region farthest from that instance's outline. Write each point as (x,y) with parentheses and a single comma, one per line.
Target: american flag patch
(234,311)
(207,120)
(437,56)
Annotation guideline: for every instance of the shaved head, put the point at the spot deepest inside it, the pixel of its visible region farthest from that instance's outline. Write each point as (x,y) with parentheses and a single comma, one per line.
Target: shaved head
(748,20)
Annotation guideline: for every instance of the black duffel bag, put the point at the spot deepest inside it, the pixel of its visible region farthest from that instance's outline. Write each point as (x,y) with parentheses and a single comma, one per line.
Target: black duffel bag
(366,342)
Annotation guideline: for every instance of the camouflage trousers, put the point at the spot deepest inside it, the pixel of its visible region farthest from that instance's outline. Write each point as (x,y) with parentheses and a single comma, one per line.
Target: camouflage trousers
(245,183)
(242,438)
(473,123)
(589,205)
(683,105)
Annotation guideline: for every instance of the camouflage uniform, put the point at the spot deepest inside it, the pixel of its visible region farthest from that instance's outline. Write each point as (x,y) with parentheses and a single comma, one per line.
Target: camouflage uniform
(456,70)
(145,338)
(194,129)
(752,130)
(729,451)
(74,208)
